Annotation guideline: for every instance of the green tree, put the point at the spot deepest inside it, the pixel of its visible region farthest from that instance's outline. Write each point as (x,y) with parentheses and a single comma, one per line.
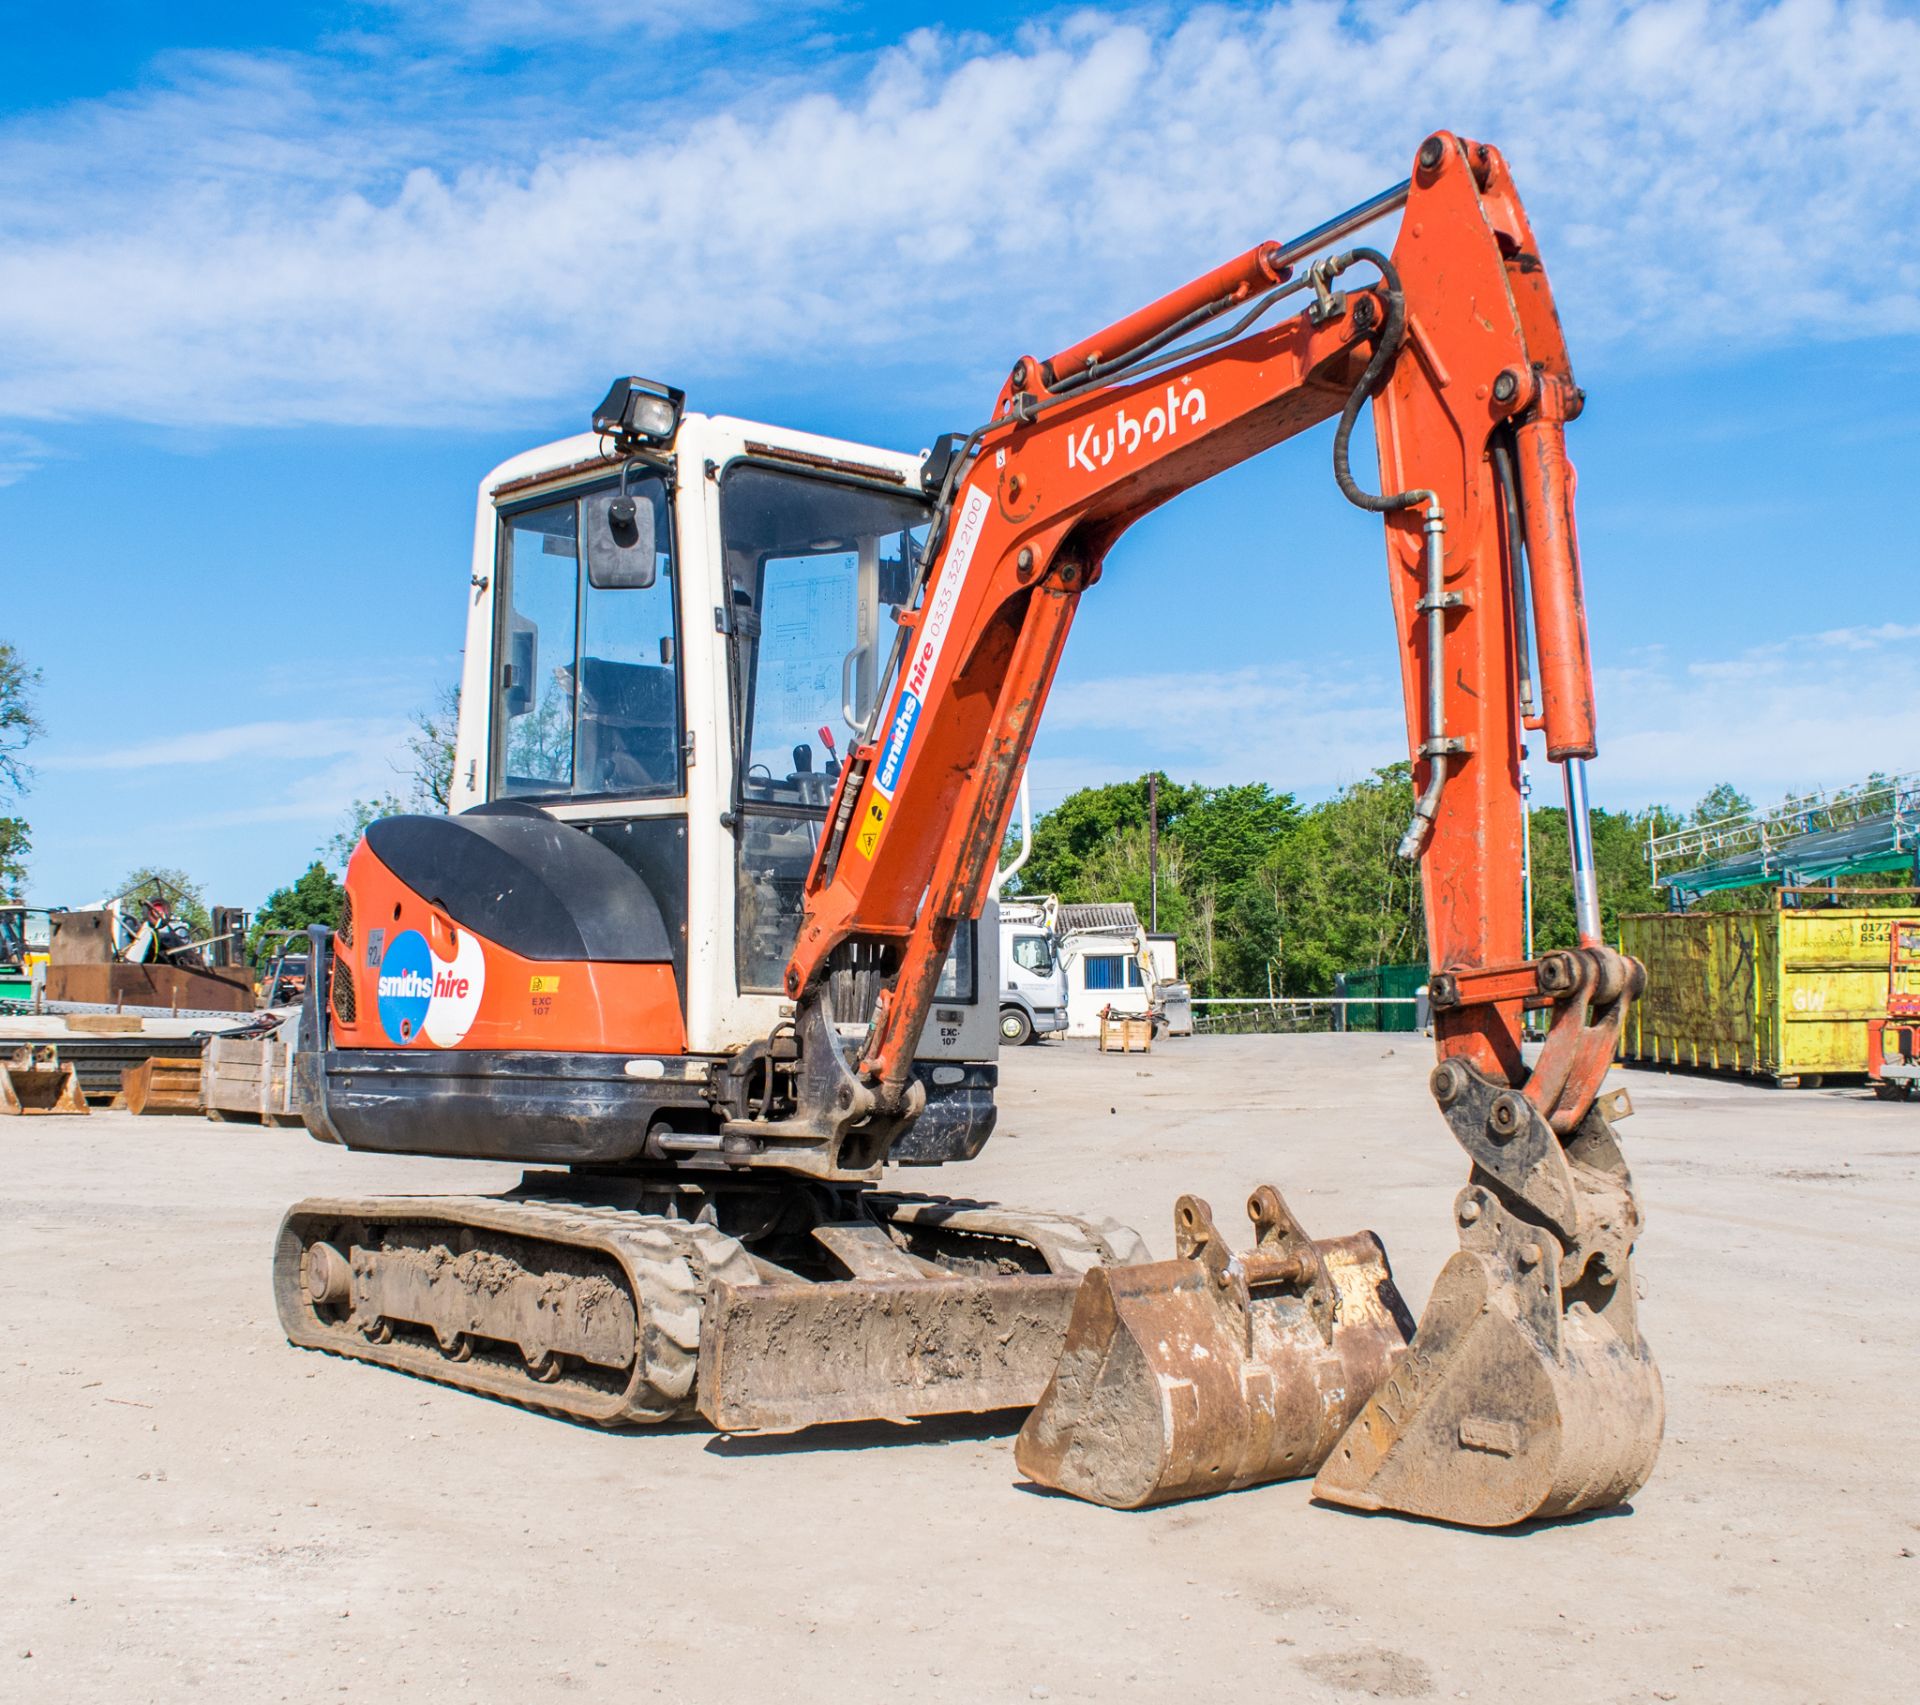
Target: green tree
(181,893)
(426,782)
(1344,897)
(1620,871)
(1228,832)
(1214,845)
(20,725)
(353,824)
(315,898)
(431,745)
(1720,802)
(1066,838)
(15,843)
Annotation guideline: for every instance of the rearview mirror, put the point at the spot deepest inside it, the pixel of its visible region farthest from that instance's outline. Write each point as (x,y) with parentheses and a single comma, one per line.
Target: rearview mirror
(620,541)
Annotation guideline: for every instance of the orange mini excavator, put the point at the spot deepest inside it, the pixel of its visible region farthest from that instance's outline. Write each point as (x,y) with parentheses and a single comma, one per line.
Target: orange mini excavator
(742,723)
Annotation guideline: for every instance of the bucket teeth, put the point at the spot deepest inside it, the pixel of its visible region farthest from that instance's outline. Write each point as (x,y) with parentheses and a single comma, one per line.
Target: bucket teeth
(1215,1370)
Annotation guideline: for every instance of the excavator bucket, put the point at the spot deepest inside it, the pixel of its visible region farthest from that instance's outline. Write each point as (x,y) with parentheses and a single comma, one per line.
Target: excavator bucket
(34,1081)
(1215,1370)
(1528,1391)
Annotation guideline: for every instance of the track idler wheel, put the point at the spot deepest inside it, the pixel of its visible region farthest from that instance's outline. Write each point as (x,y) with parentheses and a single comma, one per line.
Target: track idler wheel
(1215,1370)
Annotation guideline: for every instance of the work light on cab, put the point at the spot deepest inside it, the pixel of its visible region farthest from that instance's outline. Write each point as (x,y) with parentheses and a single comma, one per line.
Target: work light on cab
(639,412)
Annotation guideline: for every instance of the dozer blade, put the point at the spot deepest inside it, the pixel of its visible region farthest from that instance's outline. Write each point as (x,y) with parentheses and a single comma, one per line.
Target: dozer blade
(780,1357)
(1215,1371)
(1511,1403)
(34,1081)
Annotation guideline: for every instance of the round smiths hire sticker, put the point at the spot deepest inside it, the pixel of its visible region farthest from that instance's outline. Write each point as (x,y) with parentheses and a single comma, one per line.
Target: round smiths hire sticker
(406,985)
(425,996)
(457,986)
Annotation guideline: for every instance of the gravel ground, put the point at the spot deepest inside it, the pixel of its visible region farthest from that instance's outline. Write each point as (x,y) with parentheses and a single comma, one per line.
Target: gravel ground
(192,1509)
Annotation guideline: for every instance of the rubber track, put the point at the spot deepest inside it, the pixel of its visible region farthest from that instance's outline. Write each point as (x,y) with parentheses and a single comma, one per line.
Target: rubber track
(668,1266)
(1068,1243)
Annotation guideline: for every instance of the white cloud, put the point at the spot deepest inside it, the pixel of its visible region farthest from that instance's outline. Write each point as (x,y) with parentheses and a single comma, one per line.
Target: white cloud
(1814,710)
(1308,729)
(372,238)
(20,454)
(300,742)
(492,23)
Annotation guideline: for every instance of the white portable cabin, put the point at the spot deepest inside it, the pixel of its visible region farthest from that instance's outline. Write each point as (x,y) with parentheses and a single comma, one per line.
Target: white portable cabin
(1111,961)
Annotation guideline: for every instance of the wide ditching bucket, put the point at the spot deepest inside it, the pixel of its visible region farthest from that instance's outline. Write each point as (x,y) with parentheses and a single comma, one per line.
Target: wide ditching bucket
(34,1081)
(1215,1370)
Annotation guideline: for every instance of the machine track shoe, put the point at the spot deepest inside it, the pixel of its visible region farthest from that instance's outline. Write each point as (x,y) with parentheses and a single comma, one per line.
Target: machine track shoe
(1215,1370)
(589,1312)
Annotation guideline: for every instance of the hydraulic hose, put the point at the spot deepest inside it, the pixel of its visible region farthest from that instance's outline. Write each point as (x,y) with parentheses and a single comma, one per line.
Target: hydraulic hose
(1393,330)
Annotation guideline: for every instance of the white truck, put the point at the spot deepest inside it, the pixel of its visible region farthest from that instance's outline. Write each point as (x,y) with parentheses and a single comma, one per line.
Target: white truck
(1033,979)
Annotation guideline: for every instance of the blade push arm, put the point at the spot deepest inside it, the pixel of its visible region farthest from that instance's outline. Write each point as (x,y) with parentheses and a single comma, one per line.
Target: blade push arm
(1455,341)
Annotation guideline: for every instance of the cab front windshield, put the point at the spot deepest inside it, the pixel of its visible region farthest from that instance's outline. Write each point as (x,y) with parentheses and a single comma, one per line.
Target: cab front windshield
(817,568)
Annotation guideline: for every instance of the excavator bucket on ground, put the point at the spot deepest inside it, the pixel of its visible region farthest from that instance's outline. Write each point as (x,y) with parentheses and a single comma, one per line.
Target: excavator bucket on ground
(34,1081)
(1528,1391)
(1215,1370)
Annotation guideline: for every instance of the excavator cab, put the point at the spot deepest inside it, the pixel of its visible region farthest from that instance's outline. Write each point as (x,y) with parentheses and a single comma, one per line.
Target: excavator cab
(668,653)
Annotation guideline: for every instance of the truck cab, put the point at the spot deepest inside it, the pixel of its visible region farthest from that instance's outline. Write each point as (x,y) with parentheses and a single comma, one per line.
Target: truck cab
(1033,978)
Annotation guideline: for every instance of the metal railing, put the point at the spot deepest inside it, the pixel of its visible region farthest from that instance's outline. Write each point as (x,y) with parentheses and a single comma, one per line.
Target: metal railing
(1799,814)
(1281,1014)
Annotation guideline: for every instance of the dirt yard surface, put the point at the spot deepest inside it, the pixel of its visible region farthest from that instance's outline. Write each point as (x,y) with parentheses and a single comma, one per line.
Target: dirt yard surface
(189,1508)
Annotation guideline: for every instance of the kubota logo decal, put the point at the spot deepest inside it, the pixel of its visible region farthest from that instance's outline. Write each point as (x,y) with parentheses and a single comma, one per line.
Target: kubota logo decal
(421,994)
(1094,446)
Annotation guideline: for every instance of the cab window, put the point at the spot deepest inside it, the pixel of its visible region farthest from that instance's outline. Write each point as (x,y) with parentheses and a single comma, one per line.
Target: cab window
(587,688)
(818,569)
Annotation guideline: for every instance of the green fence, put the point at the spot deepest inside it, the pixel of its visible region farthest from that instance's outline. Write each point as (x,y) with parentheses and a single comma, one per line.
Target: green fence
(1382,996)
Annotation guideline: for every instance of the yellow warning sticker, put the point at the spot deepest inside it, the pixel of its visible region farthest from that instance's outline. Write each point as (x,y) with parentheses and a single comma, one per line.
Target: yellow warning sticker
(867,837)
(544,986)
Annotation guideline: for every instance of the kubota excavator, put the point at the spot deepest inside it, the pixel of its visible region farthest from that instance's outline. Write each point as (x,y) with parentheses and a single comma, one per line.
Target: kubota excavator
(700,936)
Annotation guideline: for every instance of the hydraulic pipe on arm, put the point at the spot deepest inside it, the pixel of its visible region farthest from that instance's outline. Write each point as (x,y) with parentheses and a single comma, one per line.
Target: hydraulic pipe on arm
(1454,341)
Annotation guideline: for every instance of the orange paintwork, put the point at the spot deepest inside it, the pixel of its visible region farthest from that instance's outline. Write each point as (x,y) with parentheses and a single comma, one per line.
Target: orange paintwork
(1033,517)
(541,1004)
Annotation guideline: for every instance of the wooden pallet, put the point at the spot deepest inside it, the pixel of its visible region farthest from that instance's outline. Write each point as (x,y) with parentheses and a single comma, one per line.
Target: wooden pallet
(249,1078)
(161,1086)
(1121,1034)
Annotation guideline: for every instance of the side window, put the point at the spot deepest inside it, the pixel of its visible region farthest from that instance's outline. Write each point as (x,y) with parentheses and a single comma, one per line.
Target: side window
(957,975)
(542,552)
(809,627)
(1104,971)
(1033,953)
(588,678)
(817,571)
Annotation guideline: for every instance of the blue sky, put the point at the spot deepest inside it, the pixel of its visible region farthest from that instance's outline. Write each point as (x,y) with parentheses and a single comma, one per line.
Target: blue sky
(278,284)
